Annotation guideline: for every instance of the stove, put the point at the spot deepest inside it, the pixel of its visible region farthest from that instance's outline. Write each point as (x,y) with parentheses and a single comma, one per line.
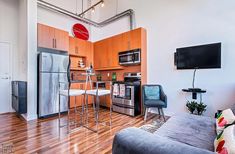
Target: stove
(126,95)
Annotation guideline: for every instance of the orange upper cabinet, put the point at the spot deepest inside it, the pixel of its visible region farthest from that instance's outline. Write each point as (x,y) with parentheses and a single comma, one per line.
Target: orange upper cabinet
(89,55)
(81,48)
(45,36)
(98,49)
(61,40)
(49,37)
(102,54)
(72,46)
(116,47)
(131,40)
(106,51)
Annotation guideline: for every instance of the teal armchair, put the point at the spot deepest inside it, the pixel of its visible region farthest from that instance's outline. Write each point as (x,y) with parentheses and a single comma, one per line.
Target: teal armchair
(153,96)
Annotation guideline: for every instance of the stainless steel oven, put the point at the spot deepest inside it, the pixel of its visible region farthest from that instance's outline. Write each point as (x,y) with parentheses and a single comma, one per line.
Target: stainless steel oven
(128,101)
(131,57)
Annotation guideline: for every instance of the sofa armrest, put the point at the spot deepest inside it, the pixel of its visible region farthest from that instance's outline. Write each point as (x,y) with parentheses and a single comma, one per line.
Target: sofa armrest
(137,141)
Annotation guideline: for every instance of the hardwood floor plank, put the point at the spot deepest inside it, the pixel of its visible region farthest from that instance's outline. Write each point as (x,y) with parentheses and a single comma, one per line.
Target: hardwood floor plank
(44,136)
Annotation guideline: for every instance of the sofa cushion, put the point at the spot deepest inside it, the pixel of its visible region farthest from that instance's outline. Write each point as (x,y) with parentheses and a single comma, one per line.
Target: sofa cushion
(197,131)
(224,118)
(225,141)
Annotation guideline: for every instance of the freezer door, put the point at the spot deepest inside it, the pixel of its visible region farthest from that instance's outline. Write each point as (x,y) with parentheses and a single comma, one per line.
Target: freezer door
(50,62)
(49,93)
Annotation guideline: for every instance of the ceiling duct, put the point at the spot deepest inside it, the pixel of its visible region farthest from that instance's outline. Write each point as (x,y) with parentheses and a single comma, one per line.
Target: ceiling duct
(129,13)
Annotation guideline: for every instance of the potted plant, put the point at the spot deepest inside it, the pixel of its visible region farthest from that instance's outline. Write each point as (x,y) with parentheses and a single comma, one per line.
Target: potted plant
(201,107)
(191,106)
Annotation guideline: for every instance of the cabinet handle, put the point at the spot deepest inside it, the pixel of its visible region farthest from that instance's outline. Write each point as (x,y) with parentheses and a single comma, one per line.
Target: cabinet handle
(53,44)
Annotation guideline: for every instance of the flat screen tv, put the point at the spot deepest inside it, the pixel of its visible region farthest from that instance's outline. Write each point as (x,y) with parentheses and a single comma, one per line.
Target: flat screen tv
(199,57)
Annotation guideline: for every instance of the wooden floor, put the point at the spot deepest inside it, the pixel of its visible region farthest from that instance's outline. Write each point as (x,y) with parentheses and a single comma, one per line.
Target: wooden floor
(43,136)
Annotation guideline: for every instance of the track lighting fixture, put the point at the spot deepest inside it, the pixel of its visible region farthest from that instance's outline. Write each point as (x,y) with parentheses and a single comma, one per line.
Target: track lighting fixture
(102,3)
(92,8)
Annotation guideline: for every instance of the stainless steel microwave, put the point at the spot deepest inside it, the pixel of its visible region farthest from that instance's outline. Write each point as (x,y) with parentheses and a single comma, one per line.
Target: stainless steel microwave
(131,57)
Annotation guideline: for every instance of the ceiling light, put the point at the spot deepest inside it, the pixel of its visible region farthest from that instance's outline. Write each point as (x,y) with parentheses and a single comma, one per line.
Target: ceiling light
(102,3)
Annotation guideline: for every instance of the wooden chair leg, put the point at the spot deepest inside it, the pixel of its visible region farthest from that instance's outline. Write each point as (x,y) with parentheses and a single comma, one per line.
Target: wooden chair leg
(163,115)
(146,114)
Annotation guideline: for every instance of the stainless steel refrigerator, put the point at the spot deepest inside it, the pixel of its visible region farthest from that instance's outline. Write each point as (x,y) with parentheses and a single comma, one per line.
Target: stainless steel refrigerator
(52,73)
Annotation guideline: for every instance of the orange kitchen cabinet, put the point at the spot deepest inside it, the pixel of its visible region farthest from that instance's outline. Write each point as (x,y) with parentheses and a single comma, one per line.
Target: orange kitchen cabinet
(108,97)
(79,99)
(45,36)
(81,49)
(116,47)
(72,46)
(131,40)
(81,44)
(135,39)
(102,54)
(61,40)
(106,100)
(98,51)
(89,53)
(49,37)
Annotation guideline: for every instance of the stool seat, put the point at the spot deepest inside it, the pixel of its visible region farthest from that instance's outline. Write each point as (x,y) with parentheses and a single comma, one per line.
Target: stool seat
(101,92)
(72,92)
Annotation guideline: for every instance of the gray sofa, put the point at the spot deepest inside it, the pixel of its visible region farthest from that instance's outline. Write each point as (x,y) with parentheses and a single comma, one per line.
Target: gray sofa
(181,134)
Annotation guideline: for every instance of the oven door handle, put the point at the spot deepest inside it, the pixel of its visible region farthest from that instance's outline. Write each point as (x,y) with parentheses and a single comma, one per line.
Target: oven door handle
(129,86)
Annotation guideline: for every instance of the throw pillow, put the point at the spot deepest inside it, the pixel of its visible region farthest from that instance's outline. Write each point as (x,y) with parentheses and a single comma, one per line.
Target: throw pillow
(225,141)
(224,118)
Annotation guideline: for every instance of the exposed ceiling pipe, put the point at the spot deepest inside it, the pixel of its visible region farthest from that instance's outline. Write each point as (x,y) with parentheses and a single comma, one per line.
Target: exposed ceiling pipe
(130,13)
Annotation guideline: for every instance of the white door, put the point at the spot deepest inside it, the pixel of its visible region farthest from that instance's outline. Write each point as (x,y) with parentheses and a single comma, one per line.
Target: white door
(5,78)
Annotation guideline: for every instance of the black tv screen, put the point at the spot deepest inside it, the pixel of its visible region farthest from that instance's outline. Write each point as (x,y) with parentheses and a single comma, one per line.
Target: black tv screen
(199,57)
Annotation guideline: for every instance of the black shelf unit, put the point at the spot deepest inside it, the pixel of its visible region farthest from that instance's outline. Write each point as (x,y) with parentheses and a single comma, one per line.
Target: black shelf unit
(19,96)
(194,91)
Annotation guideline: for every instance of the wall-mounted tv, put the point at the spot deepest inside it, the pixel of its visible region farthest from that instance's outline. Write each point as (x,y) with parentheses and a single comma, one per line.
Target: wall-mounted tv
(199,57)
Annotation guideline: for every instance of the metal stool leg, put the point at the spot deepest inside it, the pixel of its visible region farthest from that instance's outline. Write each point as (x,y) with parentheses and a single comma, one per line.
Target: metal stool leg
(110,110)
(83,99)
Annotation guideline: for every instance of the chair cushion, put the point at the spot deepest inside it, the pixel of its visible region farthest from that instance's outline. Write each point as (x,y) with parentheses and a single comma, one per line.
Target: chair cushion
(155,103)
(101,92)
(152,92)
(72,92)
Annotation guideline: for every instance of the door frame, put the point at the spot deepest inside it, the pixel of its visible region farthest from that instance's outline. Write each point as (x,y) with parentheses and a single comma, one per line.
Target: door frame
(10,70)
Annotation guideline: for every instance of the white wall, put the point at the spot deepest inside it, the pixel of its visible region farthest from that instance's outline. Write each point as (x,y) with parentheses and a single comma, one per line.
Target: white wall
(172,24)
(22,50)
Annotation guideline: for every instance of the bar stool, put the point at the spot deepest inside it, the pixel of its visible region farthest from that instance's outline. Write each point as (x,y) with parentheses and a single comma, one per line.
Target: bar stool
(71,93)
(98,93)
